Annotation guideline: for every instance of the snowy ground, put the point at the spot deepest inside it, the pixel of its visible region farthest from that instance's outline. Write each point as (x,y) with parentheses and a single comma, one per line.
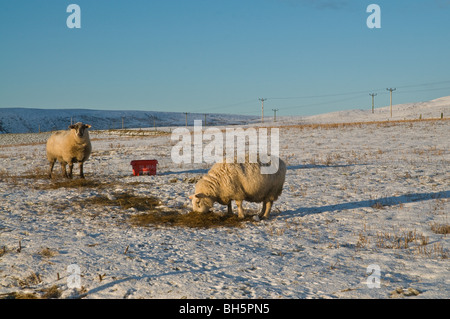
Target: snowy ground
(353,196)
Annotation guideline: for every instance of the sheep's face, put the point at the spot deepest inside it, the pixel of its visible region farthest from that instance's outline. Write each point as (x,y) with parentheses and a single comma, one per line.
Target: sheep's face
(79,129)
(201,203)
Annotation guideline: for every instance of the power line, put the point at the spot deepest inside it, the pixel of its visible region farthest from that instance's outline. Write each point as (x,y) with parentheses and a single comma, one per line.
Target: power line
(223,106)
(354,92)
(351,95)
(425,90)
(322,103)
(423,84)
(317,96)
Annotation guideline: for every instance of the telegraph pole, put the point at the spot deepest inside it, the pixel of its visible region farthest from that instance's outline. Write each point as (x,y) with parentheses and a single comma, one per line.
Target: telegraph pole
(372,95)
(274,114)
(391,89)
(186,113)
(262,109)
(205,119)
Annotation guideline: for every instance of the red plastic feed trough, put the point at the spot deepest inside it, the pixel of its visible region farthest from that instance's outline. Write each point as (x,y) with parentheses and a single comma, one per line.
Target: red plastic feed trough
(144,167)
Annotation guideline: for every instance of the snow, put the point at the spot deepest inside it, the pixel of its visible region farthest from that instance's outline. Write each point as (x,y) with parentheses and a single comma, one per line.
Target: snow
(352,194)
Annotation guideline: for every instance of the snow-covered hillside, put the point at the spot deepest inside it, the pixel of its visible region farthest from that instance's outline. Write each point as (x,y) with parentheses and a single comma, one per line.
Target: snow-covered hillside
(425,110)
(23,120)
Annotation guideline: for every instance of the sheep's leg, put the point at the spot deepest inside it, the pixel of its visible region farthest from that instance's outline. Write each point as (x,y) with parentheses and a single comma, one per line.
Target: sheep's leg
(81,170)
(52,163)
(230,210)
(63,170)
(70,170)
(240,209)
(263,209)
(268,206)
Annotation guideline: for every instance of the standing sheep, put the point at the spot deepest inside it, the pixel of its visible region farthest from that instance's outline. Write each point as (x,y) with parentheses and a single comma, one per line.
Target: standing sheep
(68,147)
(238,181)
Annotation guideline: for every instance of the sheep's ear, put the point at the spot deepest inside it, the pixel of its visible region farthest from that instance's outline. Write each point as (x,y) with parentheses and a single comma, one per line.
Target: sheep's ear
(198,195)
(87,126)
(71,127)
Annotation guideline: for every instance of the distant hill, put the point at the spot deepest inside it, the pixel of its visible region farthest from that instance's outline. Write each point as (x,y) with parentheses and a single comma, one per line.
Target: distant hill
(24,120)
(407,111)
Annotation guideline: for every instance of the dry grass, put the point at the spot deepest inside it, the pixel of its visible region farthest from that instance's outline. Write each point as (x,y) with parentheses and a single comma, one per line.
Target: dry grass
(31,280)
(47,252)
(402,240)
(33,173)
(125,201)
(363,240)
(361,124)
(378,205)
(52,292)
(436,250)
(190,220)
(19,295)
(71,183)
(136,133)
(443,229)
(152,215)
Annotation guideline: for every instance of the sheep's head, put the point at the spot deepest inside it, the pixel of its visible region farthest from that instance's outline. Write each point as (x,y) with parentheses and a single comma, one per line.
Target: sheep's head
(79,128)
(201,203)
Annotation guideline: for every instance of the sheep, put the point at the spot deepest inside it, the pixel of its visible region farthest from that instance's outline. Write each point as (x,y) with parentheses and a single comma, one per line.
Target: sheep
(68,147)
(239,181)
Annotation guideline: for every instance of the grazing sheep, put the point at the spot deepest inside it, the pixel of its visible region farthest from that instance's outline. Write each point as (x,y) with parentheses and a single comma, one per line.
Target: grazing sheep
(68,147)
(238,181)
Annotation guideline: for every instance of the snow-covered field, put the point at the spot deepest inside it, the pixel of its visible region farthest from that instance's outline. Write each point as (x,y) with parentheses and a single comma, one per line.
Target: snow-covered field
(357,198)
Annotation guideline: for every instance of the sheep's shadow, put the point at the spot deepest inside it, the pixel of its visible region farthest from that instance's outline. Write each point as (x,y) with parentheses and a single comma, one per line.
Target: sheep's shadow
(111,284)
(192,171)
(292,167)
(380,202)
(221,273)
(308,166)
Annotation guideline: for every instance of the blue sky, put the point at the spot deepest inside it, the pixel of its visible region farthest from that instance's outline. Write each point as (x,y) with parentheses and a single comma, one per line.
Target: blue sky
(304,56)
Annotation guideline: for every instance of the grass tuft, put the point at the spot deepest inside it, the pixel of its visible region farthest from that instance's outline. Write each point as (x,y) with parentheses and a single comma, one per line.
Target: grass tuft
(443,229)
(51,292)
(47,293)
(48,253)
(19,295)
